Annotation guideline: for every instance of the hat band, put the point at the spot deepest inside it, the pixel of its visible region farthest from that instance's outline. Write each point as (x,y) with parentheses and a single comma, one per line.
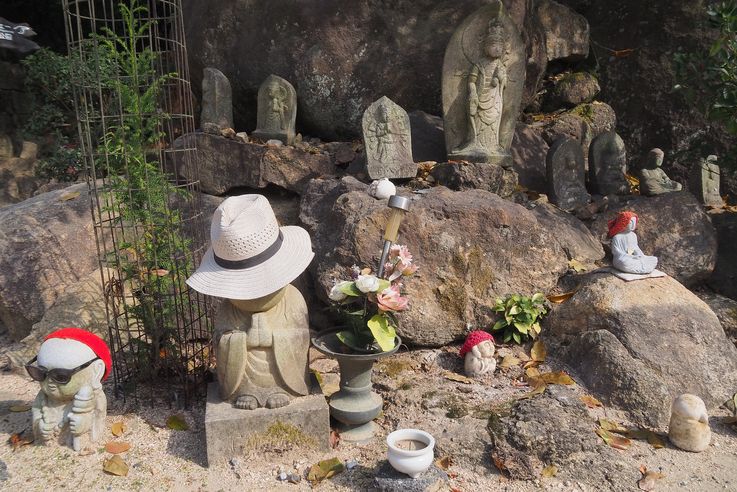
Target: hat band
(253,260)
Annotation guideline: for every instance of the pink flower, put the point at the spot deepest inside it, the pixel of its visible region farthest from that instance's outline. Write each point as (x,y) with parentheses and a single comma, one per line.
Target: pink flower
(400,251)
(390,300)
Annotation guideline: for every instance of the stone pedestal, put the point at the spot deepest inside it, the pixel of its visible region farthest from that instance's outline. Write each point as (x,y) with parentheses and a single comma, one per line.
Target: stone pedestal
(388,479)
(230,431)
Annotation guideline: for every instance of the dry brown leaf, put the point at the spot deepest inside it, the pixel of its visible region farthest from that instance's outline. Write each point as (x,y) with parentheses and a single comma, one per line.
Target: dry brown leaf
(559,298)
(576,266)
(459,378)
(649,479)
(590,401)
(550,471)
(509,361)
(652,438)
(19,408)
(444,463)
(117,447)
(334,439)
(539,389)
(557,377)
(160,272)
(530,363)
(324,469)
(613,440)
(538,352)
(69,196)
(612,426)
(18,440)
(118,428)
(115,466)
(532,373)
(522,356)
(499,463)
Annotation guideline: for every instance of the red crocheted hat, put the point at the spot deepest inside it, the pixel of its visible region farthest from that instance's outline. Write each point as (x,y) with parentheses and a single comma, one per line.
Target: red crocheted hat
(97,344)
(473,339)
(619,223)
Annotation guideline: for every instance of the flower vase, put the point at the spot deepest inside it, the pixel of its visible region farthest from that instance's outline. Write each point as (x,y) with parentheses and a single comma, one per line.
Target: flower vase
(355,405)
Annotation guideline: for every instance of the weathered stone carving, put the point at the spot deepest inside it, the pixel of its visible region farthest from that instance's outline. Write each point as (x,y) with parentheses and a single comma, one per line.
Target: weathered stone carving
(566,175)
(386,133)
(704,182)
(653,180)
(483,79)
(608,165)
(478,354)
(689,424)
(217,100)
(626,254)
(277,110)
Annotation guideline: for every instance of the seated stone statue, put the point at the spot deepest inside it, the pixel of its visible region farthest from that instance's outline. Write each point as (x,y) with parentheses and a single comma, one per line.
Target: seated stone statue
(689,424)
(626,254)
(653,180)
(478,354)
(71,365)
(261,334)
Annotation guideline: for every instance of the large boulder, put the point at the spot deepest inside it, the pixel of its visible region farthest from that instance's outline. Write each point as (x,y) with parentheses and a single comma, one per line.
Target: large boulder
(47,244)
(574,237)
(18,180)
(675,228)
(471,246)
(224,164)
(428,138)
(637,345)
(462,175)
(342,56)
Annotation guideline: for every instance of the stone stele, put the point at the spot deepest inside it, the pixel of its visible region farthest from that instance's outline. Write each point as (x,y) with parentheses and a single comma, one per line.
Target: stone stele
(386,133)
(608,165)
(277,110)
(566,175)
(217,100)
(483,80)
(653,180)
(704,182)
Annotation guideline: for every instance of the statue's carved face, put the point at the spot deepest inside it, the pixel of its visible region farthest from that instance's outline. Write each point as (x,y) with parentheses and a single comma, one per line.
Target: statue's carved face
(493,43)
(67,391)
(486,349)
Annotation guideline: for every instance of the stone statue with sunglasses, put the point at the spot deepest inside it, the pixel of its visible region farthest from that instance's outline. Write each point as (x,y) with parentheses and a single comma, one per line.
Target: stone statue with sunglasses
(71,406)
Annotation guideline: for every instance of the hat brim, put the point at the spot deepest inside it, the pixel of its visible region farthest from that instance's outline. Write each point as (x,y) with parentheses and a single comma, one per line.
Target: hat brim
(287,264)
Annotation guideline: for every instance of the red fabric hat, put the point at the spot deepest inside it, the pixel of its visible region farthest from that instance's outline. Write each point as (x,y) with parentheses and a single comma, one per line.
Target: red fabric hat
(97,344)
(619,223)
(473,339)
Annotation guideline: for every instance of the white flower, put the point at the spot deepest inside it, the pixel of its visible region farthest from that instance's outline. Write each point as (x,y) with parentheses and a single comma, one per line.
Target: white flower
(336,294)
(367,283)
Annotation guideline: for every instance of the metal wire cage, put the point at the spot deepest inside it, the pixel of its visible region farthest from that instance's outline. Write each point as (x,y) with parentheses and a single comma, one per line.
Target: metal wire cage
(133,99)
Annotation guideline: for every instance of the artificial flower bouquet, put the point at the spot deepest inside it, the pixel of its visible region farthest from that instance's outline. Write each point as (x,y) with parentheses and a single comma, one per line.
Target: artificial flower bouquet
(370,303)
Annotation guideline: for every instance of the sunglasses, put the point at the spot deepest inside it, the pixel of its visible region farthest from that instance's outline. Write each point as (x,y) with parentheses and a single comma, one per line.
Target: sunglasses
(60,376)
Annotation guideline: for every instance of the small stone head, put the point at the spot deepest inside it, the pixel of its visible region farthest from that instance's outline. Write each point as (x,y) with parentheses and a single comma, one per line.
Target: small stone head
(623,222)
(494,40)
(654,159)
(69,359)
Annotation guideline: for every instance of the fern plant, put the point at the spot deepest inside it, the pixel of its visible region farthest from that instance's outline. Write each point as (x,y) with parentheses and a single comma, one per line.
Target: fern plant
(521,317)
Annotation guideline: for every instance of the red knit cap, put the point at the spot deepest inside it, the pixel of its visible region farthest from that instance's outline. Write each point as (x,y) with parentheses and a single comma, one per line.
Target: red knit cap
(97,344)
(473,339)
(619,223)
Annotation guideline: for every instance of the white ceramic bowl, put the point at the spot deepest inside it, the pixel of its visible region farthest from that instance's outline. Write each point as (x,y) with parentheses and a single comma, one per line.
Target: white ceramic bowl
(414,462)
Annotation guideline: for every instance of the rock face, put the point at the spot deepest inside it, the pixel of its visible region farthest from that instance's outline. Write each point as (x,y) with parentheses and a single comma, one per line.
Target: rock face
(675,228)
(566,33)
(529,151)
(476,176)
(396,50)
(637,345)
(471,246)
(47,244)
(225,164)
(571,90)
(18,179)
(428,139)
(574,237)
(724,278)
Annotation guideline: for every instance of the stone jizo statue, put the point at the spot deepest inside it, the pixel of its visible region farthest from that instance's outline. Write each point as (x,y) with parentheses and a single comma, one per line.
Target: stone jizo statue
(689,424)
(478,354)
(608,165)
(71,406)
(566,175)
(653,180)
(626,254)
(386,133)
(277,110)
(261,334)
(217,100)
(705,180)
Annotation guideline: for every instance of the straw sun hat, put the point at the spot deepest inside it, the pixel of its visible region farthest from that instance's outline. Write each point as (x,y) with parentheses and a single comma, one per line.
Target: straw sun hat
(250,255)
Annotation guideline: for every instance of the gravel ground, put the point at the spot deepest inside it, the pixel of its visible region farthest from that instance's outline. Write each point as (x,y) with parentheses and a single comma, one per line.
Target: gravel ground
(417,392)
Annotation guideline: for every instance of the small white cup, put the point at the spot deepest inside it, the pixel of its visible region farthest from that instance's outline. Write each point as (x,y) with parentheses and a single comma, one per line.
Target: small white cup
(410,462)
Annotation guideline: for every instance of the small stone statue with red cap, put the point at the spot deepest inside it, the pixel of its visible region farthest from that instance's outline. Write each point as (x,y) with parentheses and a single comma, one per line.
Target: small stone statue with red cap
(71,406)
(478,353)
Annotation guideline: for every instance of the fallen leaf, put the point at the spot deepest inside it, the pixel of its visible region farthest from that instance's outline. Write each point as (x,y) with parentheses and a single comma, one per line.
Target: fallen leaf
(499,463)
(324,469)
(612,426)
(538,352)
(115,466)
(590,401)
(557,377)
(160,272)
(652,438)
(649,479)
(538,390)
(576,265)
(559,298)
(459,378)
(614,441)
(550,471)
(530,363)
(19,408)
(118,428)
(334,439)
(177,423)
(117,447)
(444,463)
(509,361)
(522,356)
(623,53)
(532,373)
(69,196)
(18,440)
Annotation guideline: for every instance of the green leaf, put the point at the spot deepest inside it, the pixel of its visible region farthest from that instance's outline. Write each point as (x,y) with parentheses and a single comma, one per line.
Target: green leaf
(517,337)
(538,297)
(514,310)
(350,289)
(507,337)
(383,332)
(499,325)
(177,422)
(522,328)
(383,284)
(349,339)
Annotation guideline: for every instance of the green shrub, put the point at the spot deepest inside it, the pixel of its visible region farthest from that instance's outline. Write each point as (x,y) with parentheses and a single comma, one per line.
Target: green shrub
(521,317)
(65,164)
